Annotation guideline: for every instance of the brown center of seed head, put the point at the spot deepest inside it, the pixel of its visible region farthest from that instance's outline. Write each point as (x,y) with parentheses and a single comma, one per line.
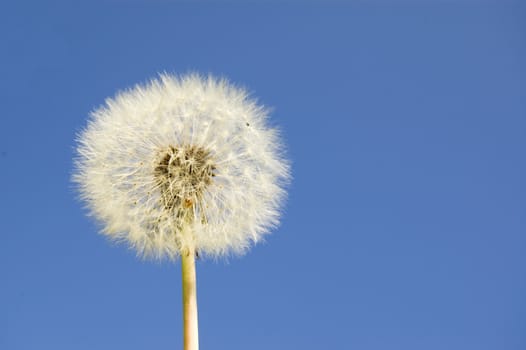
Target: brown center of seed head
(182,174)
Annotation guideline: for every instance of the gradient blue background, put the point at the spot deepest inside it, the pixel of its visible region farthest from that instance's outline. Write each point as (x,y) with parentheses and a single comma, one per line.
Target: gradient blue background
(406,222)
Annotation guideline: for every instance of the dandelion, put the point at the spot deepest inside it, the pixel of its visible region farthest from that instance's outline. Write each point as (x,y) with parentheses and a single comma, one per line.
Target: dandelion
(179,167)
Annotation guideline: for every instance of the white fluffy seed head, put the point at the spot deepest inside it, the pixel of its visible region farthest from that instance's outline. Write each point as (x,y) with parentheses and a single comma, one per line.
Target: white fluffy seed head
(182,162)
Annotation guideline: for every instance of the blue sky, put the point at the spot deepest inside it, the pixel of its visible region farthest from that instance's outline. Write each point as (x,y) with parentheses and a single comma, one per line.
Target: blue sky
(405,226)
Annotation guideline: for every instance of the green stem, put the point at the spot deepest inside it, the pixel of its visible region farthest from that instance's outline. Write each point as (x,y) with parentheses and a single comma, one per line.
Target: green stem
(191,337)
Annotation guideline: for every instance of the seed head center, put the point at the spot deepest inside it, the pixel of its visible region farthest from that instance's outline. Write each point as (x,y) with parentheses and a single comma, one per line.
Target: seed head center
(182,174)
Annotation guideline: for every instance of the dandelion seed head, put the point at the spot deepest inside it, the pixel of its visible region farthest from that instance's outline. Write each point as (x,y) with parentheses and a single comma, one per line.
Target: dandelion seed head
(179,162)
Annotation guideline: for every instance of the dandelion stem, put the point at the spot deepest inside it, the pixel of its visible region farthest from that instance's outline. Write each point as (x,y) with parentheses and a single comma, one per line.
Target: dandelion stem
(191,337)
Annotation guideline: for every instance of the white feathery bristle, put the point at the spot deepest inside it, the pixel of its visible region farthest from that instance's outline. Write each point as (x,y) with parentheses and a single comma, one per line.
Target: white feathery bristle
(182,162)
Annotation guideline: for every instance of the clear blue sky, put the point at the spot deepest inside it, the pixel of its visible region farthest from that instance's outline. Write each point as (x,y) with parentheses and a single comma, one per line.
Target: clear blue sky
(406,222)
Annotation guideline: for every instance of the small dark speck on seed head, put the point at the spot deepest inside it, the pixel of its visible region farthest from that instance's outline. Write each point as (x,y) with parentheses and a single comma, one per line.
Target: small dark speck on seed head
(248,124)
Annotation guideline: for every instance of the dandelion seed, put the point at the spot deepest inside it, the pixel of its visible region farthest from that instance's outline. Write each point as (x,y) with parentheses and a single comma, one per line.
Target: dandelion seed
(180,166)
